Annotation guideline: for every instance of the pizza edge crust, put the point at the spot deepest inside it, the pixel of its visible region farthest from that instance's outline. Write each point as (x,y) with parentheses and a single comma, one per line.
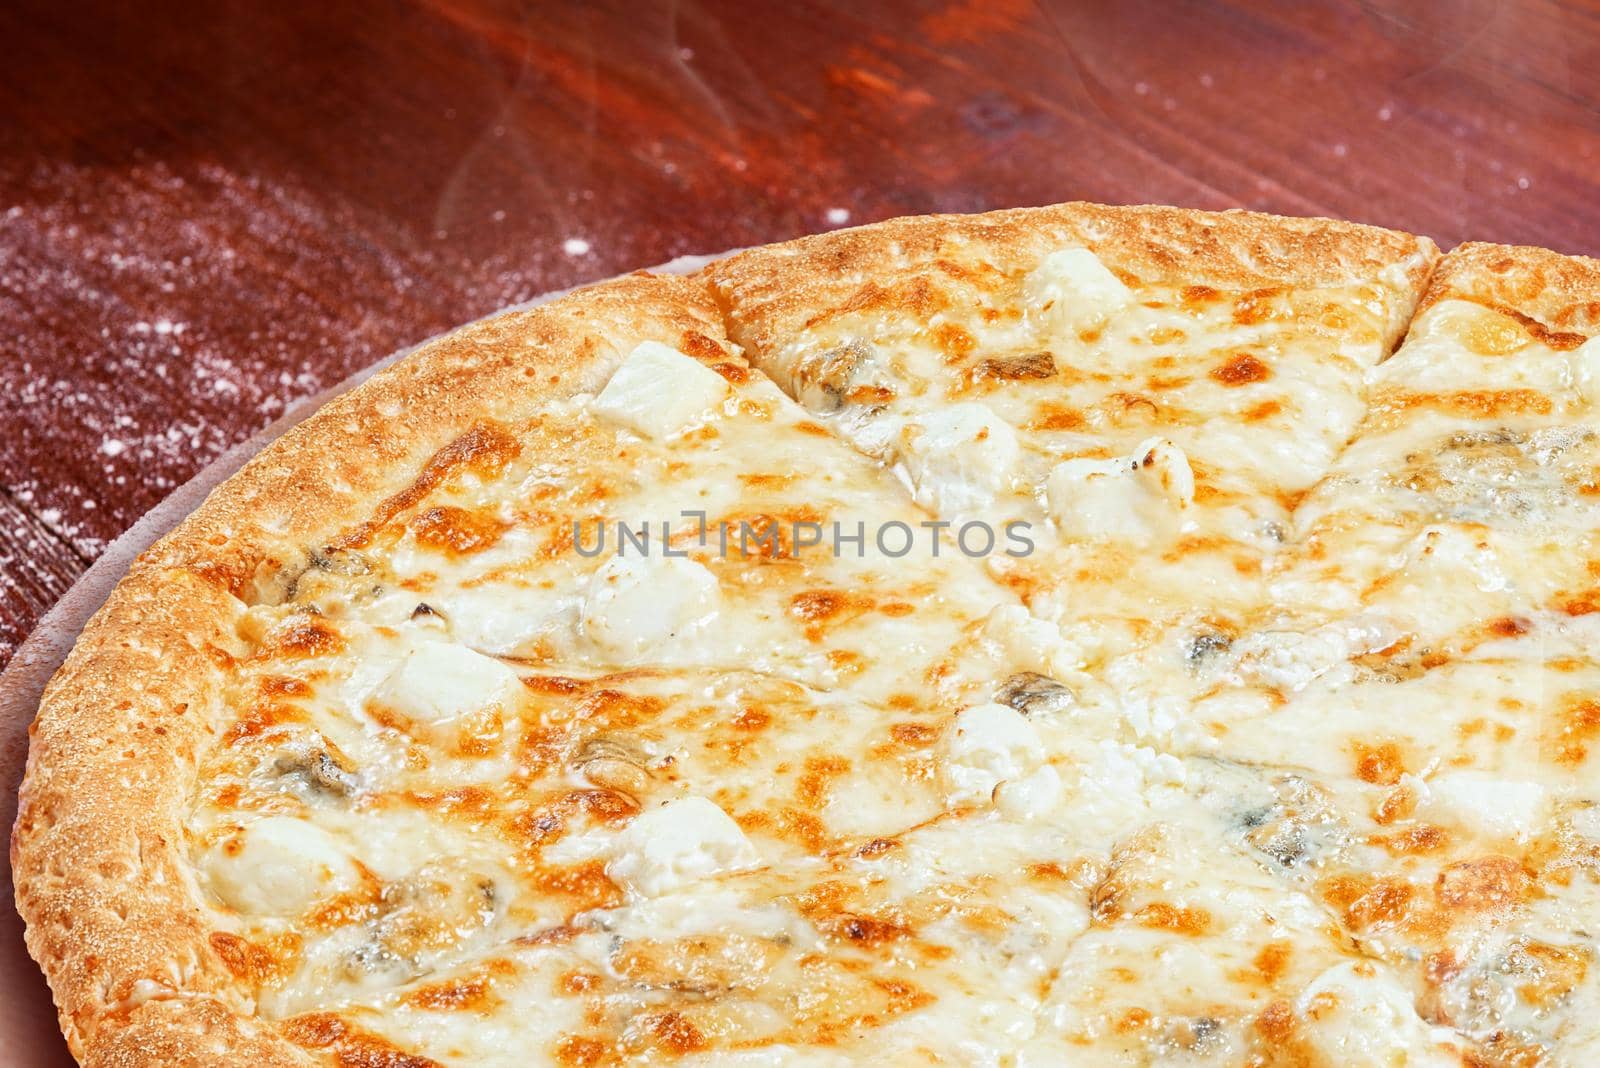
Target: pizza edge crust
(1561,292)
(785,284)
(113,908)
(95,818)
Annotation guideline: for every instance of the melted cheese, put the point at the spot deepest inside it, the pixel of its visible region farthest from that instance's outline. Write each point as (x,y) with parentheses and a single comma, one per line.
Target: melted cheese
(1352,1016)
(1279,748)
(1493,807)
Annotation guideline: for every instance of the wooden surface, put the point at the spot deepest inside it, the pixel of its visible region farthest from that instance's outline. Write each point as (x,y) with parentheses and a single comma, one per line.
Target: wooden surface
(210,209)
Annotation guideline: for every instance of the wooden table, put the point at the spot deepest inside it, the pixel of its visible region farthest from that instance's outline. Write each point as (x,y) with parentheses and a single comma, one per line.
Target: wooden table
(206,213)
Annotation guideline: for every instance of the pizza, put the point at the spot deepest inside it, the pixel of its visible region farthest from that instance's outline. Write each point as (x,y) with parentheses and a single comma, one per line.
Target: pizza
(1073,635)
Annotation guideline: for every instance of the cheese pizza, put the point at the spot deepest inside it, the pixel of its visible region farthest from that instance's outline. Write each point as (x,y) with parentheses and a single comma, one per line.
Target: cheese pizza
(1075,635)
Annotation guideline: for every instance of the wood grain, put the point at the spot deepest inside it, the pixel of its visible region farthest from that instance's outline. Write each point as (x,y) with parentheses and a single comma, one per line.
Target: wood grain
(208,210)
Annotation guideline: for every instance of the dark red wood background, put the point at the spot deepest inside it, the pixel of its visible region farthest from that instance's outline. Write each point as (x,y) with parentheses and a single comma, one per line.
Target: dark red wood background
(210,209)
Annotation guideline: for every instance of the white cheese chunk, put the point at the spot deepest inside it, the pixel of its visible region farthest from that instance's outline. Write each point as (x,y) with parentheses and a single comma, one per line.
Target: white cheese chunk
(1134,769)
(1031,797)
(959,457)
(1496,808)
(1095,499)
(438,682)
(1072,290)
(1439,557)
(659,392)
(1122,498)
(677,844)
(1585,364)
(1353,1016)
(1024,642)
(636,604)
(1164,470)
(1117,783)
(277,866)
(1291,660)
(989,744)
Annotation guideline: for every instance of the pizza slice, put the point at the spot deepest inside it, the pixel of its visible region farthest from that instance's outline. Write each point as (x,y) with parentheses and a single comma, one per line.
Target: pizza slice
(1433,682)
(148,961)
(685,861)
(715,845)
(687,515)
(1151,390)
(1259,912)
(1466,507)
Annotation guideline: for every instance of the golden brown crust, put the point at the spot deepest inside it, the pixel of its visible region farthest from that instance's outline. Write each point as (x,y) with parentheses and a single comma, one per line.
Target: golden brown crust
(368,444)
(1560,292)
(780,287)
(97,851)
(115,917)
(191,1033)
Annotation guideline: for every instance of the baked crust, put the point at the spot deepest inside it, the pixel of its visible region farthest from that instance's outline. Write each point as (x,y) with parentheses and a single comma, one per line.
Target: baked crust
(787,286)
(114,914)
(1562,293)
(190,1033)
(366,446)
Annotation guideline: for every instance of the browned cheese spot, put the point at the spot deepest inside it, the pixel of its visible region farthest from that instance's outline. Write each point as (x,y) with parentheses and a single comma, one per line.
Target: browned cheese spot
(1241,370)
